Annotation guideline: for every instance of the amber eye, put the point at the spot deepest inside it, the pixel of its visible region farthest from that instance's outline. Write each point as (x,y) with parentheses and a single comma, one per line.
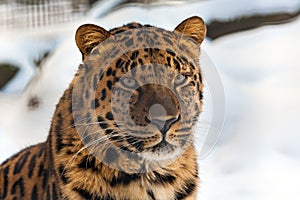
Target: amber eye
(128,82)
(179,79)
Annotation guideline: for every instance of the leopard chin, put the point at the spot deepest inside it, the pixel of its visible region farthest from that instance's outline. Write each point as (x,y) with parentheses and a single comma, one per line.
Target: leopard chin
(163,151)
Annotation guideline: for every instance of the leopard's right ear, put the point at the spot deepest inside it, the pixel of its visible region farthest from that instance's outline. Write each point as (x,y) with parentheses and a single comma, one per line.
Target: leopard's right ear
(88,36)
(193,27)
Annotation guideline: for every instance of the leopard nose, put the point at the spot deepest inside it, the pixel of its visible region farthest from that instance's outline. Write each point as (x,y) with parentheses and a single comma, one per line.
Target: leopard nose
(160,118)
(163,125)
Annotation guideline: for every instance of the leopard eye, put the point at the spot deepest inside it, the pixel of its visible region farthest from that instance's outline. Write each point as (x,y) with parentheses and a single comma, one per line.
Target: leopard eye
(128,82)
(179,79)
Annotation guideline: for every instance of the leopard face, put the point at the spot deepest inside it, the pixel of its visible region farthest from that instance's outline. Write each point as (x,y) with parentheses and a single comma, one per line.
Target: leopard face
(145,94)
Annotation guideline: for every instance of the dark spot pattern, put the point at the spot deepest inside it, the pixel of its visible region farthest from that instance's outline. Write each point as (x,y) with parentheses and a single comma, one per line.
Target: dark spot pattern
(169,51)
(48,194)
(45,179)
(31,166)
(163,178)
(102,122)
(188,189)
(150,194)
(129,42)
(58,126)
(103,93)
(124,179)
(177,65)
(41,170)
(41,151)
(134,55)
(135,142)
(168,40)
(87,195)
(21,162)
(19,184)
(5,186)
(62,174)
(109,116)
(119,63)
(95,103)
(54,191)
(109,71)
(34,193)
(88,163)
(109,84)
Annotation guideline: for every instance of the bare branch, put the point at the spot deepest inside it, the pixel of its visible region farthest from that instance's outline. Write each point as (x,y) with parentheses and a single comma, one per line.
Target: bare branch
(218,28)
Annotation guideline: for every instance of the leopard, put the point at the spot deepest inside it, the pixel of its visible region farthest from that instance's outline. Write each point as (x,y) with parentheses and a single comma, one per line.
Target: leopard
(124,128)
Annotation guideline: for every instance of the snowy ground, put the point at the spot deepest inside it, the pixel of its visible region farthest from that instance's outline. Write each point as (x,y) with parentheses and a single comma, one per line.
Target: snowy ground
(258,155)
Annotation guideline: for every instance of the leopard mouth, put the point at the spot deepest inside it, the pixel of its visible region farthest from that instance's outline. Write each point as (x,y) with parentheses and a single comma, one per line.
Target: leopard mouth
(163,151)
(163,146)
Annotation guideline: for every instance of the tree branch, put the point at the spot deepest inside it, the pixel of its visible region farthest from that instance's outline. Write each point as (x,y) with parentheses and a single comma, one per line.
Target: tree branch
(218,28)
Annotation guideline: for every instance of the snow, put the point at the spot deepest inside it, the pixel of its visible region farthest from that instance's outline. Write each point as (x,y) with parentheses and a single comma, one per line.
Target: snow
(47,85)
(208,10)
(258,154)
(15,53)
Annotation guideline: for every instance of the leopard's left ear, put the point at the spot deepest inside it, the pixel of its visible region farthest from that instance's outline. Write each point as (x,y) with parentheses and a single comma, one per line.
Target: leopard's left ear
(193,27)
(88,36)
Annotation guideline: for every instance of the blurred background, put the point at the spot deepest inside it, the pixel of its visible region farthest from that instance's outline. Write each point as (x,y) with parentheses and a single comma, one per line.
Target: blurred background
(254,45)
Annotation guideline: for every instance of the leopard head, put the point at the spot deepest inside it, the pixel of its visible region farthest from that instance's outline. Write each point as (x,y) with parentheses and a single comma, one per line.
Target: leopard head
(139,90)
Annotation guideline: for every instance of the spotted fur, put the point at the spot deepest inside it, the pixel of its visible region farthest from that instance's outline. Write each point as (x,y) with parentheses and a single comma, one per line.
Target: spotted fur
(63,168)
